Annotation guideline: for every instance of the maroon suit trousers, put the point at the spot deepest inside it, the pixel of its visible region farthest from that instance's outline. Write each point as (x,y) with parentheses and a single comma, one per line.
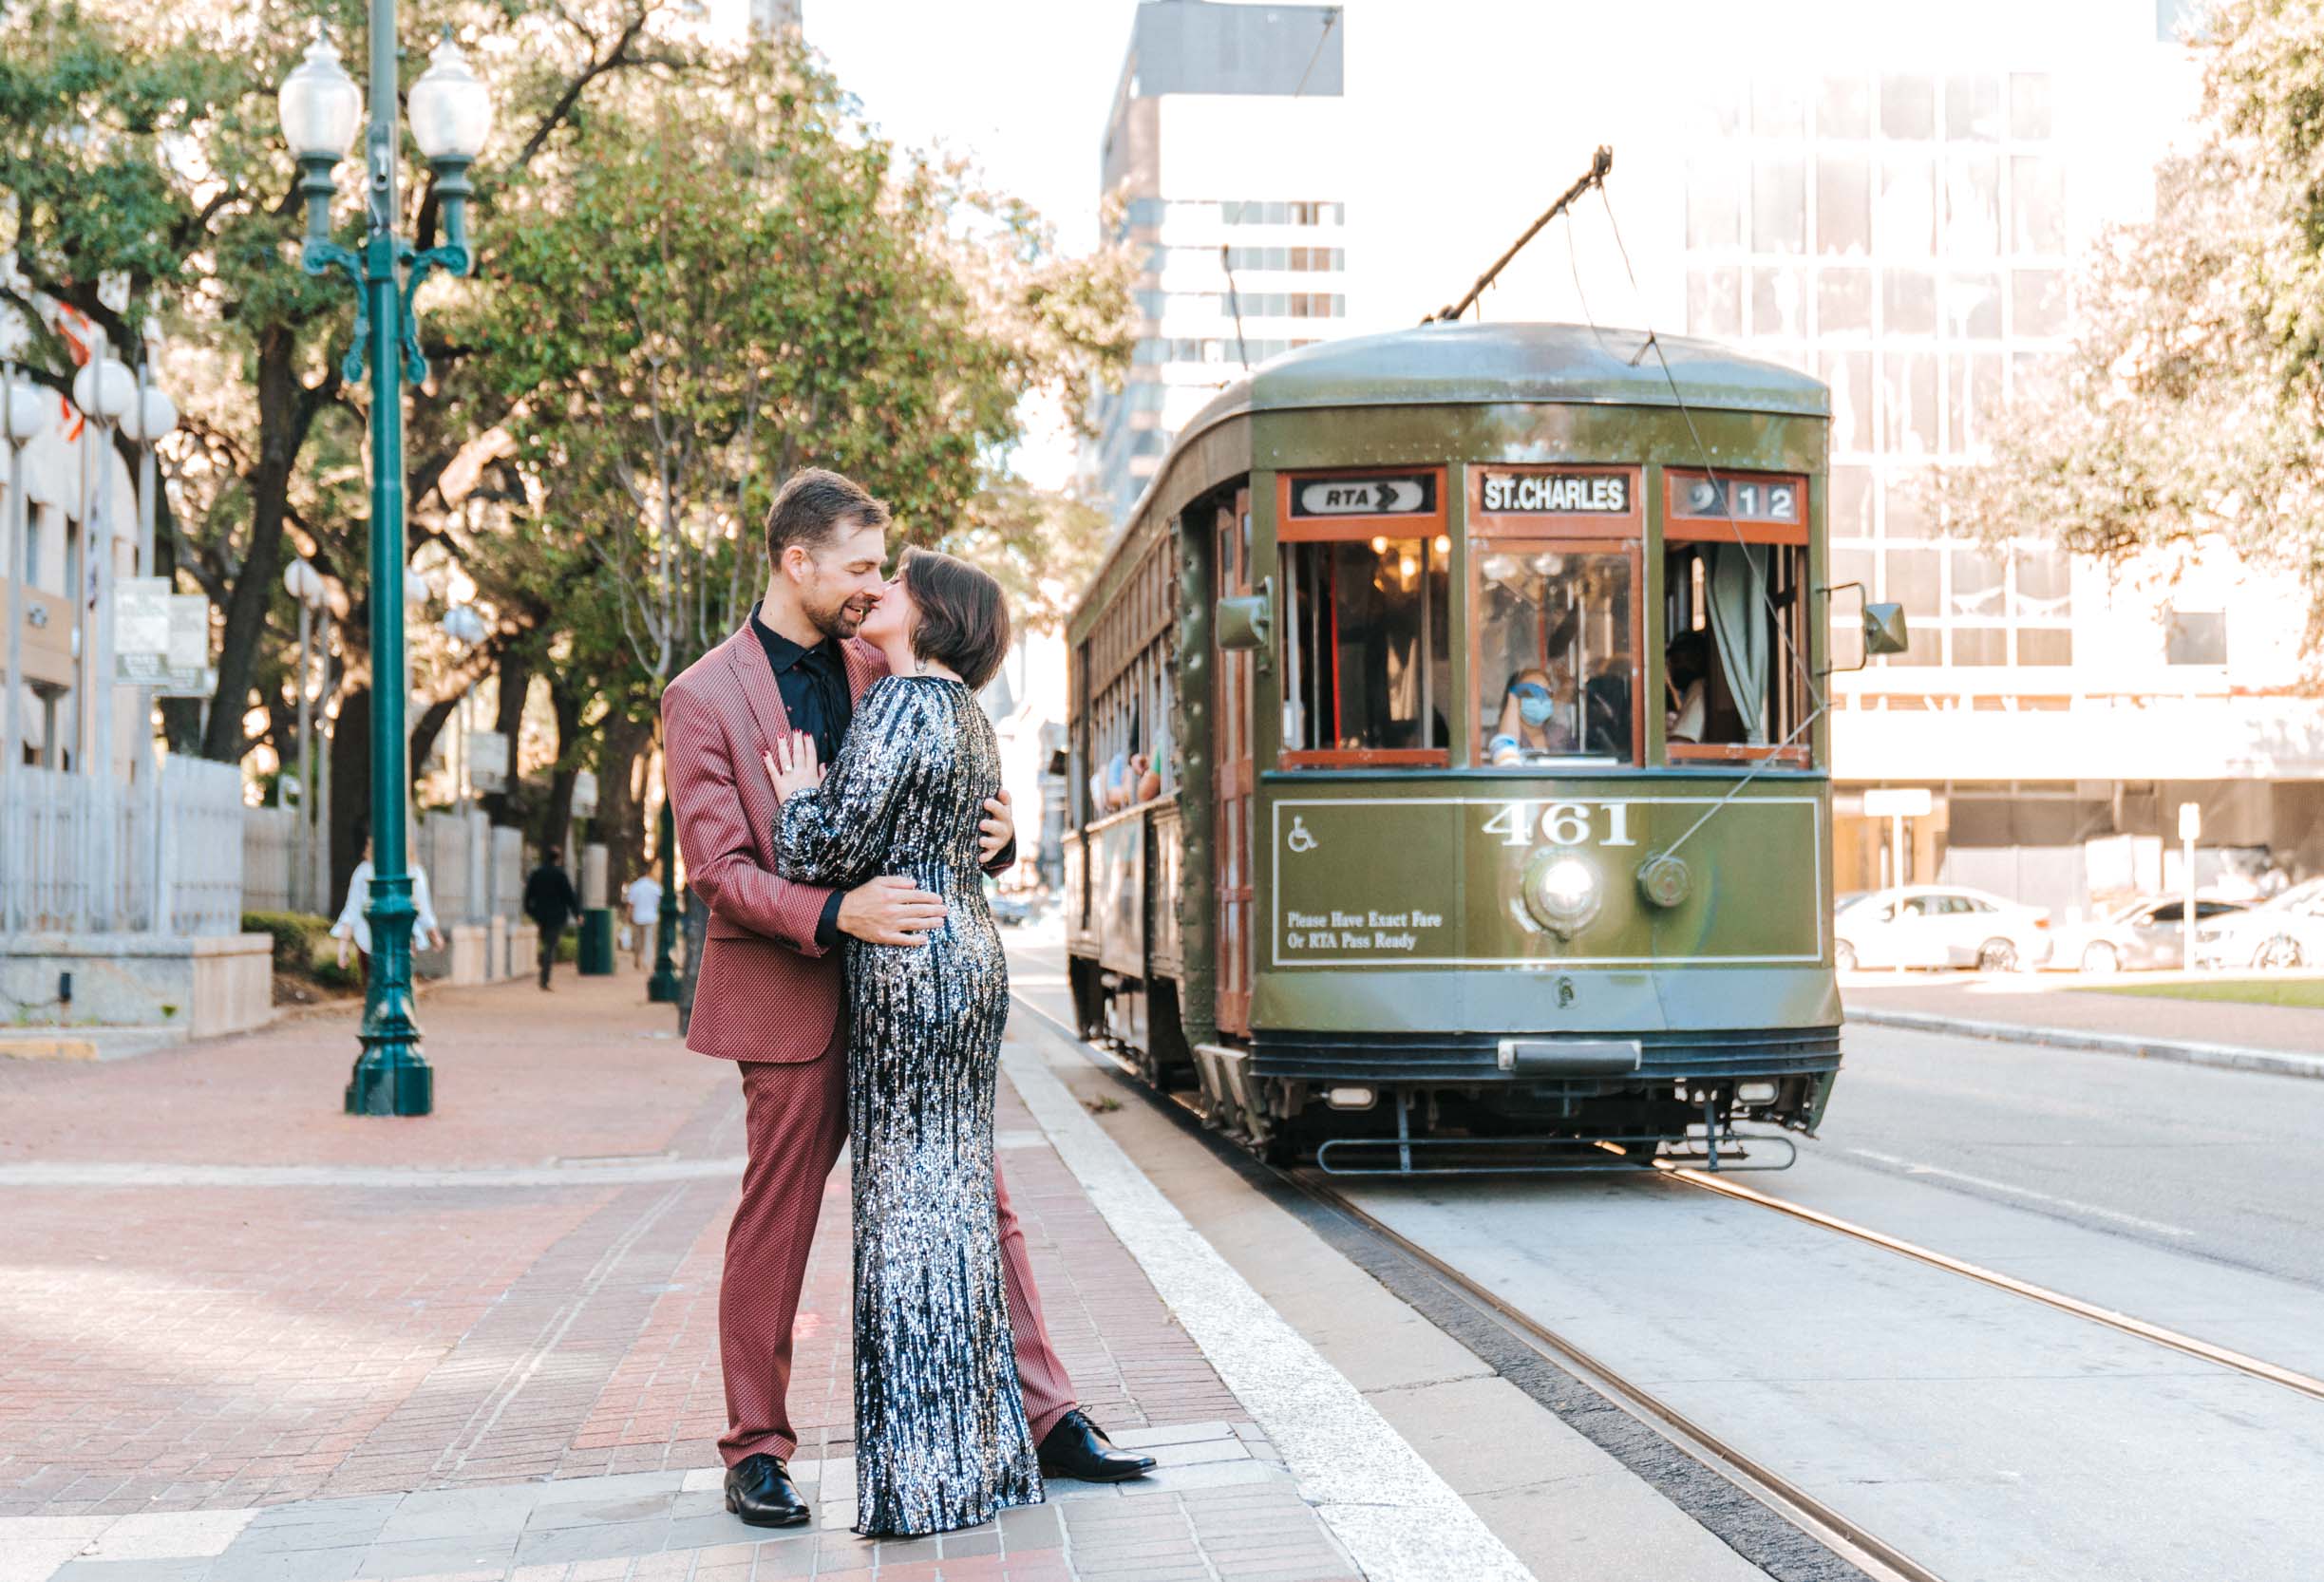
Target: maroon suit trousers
(796,1116)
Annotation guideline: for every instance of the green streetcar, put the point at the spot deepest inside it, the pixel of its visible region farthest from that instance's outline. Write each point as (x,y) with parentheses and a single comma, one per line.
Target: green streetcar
(1448,784)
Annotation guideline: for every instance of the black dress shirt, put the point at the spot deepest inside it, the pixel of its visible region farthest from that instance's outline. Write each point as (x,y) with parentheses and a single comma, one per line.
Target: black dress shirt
(813,682)
(815,696)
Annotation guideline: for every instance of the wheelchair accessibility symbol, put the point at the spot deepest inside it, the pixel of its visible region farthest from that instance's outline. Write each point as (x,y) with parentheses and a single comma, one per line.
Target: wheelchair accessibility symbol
(1299,839)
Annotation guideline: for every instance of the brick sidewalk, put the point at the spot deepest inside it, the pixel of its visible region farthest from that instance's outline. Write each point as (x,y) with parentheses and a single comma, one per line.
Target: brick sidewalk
(210,1367)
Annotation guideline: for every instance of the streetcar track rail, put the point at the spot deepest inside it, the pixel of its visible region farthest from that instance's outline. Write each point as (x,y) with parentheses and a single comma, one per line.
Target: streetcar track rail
(1847,1542)
(1861,1547)
(2221,1355)
(1856,1550)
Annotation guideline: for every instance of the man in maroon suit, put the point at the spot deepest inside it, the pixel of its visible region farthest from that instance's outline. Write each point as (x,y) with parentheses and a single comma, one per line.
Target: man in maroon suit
(771,995)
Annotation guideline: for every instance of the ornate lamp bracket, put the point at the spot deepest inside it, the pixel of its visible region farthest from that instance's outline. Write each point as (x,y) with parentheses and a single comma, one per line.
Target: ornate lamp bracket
(320,257)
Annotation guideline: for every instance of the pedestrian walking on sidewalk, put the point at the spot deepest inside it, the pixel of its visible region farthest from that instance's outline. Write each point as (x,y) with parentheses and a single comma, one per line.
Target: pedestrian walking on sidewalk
(645,898)
(550,902)
(773,997)
(355,928)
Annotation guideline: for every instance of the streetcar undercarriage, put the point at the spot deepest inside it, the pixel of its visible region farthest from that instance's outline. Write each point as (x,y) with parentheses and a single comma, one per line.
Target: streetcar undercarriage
(1399,1106)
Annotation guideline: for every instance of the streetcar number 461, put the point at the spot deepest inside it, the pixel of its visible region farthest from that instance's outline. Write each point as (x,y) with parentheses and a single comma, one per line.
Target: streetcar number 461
(1563,824)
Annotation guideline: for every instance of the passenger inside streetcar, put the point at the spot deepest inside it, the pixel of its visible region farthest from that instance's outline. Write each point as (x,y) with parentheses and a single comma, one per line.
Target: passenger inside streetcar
(1554,638)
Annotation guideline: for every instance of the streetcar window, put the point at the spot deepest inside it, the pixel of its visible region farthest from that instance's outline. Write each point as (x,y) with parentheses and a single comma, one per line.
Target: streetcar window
(1554,651)
(1734,663)
(1367,660)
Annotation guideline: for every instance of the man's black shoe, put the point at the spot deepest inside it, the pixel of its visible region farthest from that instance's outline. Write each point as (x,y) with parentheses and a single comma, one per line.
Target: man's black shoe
(1077,1447)
(759,1490)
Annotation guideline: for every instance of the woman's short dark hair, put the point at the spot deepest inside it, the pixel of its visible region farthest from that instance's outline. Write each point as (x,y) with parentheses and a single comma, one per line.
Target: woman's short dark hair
(963,616)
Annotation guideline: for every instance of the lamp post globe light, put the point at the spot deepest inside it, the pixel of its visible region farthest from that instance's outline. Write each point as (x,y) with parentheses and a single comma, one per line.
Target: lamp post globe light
(104,389)
(25,410)
(451,114)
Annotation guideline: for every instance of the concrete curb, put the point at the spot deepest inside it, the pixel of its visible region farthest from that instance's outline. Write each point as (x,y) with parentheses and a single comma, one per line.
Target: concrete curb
(2224,1056)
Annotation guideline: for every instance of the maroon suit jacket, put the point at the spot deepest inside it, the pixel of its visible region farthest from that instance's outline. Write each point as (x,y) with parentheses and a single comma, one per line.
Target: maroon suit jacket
(766,991)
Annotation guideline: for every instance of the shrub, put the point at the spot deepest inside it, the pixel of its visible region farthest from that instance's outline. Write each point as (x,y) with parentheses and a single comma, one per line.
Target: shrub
(300,938)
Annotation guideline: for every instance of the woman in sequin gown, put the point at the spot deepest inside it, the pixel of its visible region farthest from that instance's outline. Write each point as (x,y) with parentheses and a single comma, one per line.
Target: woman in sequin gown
(941,1436)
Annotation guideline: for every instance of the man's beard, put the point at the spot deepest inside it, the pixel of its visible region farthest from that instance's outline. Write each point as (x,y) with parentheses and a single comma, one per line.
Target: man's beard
(841,620)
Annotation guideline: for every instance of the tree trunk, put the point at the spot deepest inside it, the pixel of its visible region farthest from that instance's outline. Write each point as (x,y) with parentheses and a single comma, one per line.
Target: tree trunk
(351,784)
(279,425)
(426,729)
(508,720)
(566,699)
(621,813)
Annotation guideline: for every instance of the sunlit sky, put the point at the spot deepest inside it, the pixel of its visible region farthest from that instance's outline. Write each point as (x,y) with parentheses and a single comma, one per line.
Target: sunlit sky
(1024,87)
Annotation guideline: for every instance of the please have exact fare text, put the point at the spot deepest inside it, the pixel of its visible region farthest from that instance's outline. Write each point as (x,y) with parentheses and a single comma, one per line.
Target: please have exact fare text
(1357,931)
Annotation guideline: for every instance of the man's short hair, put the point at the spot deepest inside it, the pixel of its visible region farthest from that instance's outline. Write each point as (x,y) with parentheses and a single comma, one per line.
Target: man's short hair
(813,505)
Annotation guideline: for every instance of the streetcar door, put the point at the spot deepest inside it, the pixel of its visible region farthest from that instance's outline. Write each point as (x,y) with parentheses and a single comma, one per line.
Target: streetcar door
(1234,780)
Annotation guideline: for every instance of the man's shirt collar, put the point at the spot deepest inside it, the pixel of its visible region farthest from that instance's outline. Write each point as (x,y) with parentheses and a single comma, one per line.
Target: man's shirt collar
(780,652)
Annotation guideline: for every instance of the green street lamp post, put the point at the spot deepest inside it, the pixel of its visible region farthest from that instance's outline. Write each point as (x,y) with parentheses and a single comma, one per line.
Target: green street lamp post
(451,114)
(662,989)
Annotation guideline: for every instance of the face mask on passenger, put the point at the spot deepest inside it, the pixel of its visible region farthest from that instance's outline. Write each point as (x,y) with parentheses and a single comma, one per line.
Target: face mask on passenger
(1534,704)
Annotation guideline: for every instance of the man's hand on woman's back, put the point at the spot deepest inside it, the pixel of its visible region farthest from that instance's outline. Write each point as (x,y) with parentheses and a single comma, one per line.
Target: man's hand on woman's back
(890,910)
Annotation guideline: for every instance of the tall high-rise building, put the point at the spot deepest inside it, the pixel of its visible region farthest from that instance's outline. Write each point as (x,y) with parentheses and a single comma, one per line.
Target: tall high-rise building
(1219,147)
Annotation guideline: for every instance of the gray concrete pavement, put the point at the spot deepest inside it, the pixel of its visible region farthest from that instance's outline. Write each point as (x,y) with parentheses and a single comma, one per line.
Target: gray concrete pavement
(1566,1507)
(1982,1434)
(2221,1166)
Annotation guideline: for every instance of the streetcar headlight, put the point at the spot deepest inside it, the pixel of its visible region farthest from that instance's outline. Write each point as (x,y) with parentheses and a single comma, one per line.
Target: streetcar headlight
(1755,1093)
(1561,890)
(1348,1098)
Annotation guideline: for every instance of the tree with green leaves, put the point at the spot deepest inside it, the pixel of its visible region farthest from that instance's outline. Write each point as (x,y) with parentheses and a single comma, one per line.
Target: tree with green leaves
(153,156)
(744,280)
(2190,409)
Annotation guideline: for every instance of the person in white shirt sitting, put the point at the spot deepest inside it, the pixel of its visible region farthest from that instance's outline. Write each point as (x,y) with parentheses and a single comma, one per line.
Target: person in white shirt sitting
(353,928)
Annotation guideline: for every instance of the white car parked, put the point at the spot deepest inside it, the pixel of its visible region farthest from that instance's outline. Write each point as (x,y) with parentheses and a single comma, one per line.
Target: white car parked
(2286,931)
(1937,924)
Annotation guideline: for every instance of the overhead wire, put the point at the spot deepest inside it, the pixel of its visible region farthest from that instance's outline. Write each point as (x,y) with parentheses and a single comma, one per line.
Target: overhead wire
(1654,342)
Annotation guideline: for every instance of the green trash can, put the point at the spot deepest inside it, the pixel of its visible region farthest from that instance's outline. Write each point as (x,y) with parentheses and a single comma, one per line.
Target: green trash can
(596,952)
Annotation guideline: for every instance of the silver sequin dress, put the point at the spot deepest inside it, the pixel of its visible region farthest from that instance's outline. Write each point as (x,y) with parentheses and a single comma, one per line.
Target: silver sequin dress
(941,1439)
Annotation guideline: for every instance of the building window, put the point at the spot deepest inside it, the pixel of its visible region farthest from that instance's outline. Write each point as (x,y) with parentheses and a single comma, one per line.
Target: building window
(1973,109)
(1908,107)
(1843,205)
(1844,108)
(2045,646)
(2030,105)
(2195,637)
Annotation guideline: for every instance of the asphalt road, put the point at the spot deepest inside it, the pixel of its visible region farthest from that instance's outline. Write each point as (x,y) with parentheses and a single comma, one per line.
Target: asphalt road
(2221,1165)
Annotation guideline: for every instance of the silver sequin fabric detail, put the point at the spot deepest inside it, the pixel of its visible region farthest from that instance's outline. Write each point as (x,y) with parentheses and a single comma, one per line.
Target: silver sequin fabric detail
(941,1438)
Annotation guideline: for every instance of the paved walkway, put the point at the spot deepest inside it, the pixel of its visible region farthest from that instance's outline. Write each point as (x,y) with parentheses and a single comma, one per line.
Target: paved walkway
(243,1336)
(2059,1001)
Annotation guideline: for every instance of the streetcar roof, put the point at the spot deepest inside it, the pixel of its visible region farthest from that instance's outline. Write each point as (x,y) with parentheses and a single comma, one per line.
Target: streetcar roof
(1461,365)
(1475,365)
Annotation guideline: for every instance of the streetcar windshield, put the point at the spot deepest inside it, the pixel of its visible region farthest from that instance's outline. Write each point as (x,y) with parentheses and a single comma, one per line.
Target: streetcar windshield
(1554,649)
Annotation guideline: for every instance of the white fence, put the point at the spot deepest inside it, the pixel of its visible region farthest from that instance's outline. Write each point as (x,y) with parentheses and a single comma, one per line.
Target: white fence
(163,855)
(475,868)
(273,873)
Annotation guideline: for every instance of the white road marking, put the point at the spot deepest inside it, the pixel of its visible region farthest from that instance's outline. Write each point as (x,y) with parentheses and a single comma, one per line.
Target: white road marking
(1990,1185)
(1395,1513)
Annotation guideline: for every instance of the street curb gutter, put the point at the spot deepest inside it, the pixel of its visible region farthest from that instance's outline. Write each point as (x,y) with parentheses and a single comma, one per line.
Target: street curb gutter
(2224,1056)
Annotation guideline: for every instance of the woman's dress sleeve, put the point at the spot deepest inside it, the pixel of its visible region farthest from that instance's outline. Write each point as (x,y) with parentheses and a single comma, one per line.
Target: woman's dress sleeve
(839,834)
